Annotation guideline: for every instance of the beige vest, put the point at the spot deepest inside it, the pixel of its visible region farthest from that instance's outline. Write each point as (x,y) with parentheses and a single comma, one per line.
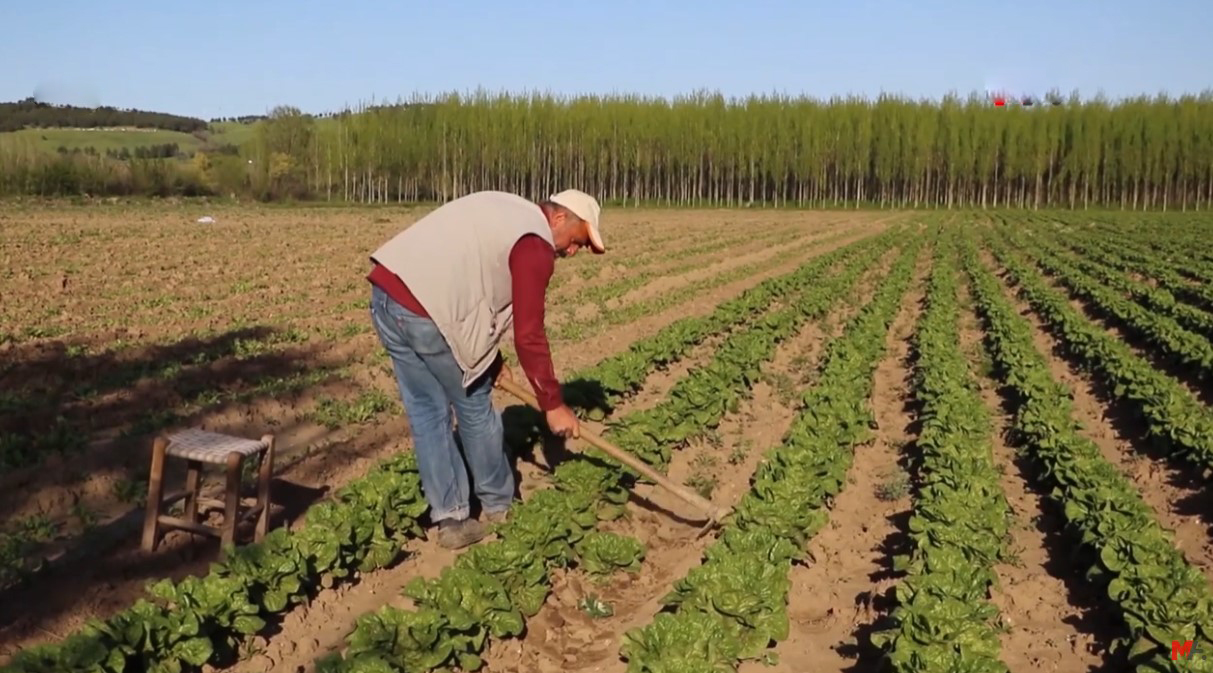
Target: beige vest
(456,261)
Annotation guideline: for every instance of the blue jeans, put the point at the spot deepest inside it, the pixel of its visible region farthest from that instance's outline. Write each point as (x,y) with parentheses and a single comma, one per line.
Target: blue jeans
(430,383)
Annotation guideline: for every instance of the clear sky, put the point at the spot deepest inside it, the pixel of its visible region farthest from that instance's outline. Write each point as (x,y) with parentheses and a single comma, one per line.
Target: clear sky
(226,58)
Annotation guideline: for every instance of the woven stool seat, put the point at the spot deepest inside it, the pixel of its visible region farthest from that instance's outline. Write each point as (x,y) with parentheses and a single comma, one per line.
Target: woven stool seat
(197,447)
(211,447)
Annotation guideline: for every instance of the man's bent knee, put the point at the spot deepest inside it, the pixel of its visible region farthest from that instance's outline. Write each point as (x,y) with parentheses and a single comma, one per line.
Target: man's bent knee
(480,420)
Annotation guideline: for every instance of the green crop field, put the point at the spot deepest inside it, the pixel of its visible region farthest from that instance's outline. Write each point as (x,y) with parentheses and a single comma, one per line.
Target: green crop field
(957,439)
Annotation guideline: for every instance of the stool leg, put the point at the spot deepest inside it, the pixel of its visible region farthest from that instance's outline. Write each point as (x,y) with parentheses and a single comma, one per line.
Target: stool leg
(263,488)
(231,512)
(192,477)
(155,488)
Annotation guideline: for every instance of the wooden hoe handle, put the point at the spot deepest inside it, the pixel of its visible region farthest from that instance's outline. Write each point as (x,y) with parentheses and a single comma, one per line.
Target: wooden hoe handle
(714,513)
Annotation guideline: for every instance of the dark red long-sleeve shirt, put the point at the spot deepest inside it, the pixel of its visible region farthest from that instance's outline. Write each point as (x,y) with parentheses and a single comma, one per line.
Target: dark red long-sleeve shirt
(531,266)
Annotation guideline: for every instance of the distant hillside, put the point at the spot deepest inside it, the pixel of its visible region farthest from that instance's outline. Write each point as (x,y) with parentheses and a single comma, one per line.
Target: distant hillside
(30,113)
(223,137)
(116,132)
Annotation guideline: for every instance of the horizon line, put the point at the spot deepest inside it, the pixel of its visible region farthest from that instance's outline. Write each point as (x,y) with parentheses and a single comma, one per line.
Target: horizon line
(481,92)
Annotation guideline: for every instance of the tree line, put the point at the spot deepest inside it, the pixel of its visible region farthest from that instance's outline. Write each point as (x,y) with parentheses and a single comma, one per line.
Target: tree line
(30,113)
(707,150)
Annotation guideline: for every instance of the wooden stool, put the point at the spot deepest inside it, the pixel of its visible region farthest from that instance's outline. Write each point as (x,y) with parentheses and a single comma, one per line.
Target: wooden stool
(197,447)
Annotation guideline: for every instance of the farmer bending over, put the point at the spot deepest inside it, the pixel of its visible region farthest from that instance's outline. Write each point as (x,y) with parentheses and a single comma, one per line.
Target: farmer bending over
(443,293)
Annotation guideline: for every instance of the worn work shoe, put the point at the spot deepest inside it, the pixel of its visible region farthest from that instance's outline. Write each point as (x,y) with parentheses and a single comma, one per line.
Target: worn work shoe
(454,534)
(498,517)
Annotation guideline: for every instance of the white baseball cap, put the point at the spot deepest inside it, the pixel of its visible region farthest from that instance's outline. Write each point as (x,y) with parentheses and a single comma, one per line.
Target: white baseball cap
(586,207)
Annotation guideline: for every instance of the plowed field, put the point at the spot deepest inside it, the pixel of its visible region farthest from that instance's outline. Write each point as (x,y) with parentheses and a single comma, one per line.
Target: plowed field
(950,441)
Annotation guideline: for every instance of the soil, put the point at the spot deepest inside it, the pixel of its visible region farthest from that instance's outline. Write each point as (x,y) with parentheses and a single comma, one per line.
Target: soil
(735,259)
(562,637)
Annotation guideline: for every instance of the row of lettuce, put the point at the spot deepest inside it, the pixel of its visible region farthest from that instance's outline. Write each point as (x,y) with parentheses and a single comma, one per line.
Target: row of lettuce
(493,601)
(697,403)
(1112,296)
(1174,418)
(627,312)
(1159,595)
(943,619)
(731,607)
(1099,257)
(492,588)
(1168,253)
(204,619)
(959,528)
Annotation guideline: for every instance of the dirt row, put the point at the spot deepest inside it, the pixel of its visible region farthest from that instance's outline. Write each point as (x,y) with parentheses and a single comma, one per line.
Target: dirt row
(1041,600)
(253,268)
(836,599)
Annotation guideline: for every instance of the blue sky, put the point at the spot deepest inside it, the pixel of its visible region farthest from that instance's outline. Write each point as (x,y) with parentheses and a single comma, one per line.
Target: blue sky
(224,58)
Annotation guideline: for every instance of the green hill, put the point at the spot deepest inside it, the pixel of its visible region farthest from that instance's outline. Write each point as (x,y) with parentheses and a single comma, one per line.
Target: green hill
(215,138)
(31,125)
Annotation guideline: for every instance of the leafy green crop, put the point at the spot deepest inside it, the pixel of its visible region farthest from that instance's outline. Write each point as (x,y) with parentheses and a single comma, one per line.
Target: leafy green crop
(697,403)
(1161,596)
(1163,332)
(1167,269)
(493,587)
(961,517)
(601,553)
(597,482)
(1099,258)
(199,620)
(732,606)
(1174,418)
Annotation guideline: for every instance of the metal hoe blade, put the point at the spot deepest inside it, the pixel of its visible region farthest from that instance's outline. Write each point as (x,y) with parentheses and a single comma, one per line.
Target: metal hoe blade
(715,513)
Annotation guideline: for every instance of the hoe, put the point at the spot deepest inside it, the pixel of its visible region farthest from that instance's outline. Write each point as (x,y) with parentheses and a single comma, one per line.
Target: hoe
(714,513)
